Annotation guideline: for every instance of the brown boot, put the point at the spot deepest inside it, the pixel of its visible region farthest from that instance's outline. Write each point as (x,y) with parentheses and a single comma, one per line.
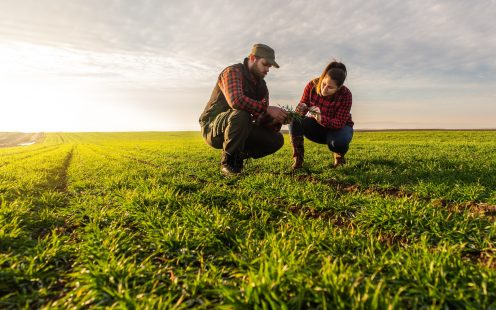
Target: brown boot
(298,151)
(338,160)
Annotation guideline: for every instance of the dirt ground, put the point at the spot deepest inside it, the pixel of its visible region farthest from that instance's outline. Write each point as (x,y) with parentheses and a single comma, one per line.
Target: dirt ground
(8,139)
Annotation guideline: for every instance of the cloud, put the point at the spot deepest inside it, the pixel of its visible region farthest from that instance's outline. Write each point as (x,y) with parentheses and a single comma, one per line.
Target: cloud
(420,37)
(395,50)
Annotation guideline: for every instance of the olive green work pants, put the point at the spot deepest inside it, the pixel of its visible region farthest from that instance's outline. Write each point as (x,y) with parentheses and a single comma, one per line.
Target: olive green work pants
(234,131)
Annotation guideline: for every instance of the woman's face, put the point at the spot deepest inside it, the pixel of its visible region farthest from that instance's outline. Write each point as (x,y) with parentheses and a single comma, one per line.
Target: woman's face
(328,86)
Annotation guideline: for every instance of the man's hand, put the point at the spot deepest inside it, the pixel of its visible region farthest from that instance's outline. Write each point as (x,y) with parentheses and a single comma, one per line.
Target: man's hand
(266,121)
(301,109)
(278,114)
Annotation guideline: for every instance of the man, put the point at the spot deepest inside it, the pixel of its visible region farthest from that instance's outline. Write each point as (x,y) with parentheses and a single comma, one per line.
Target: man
(238,118)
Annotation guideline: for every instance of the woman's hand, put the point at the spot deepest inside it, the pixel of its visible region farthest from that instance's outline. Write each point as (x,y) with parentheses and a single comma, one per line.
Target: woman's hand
(315,113)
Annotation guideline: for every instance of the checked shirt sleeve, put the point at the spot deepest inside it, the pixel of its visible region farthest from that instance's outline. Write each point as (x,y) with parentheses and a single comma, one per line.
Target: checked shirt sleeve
(302,107)
(231,84)
(342,112)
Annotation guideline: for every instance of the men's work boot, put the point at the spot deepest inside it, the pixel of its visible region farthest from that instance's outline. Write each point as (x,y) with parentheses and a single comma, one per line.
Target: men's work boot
(339,160)
(229,165)
(298,151)
(239,160)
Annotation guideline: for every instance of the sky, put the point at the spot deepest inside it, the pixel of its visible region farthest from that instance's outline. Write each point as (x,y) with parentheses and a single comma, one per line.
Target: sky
(151,65)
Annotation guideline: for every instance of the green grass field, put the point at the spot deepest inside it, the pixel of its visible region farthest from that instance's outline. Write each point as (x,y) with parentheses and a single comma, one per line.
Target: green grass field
(144,220)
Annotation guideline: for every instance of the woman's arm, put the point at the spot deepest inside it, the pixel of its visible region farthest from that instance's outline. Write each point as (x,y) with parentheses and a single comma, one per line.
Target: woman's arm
(302,107)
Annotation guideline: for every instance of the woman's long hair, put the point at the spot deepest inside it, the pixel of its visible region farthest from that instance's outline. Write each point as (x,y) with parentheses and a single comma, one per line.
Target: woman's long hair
(336,71)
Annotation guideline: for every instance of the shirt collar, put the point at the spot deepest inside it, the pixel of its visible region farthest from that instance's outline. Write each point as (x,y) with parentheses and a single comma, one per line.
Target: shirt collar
(249,75)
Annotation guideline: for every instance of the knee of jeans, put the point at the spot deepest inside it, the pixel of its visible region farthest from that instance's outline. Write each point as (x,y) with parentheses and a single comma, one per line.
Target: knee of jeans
(339,144)
(308,123)
(241,116)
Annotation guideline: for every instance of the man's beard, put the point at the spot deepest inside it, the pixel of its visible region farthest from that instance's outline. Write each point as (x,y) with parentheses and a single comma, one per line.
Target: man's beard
(257,73)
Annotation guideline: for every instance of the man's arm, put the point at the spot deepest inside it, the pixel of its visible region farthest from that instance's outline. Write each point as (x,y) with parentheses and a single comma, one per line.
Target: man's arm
(231,84)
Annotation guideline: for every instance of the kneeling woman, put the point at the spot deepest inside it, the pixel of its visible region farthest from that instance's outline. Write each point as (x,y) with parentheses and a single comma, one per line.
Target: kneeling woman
(327,102)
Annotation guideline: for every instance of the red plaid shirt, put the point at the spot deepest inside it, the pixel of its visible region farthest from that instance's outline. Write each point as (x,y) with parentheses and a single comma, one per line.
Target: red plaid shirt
(231,85)
(335,110)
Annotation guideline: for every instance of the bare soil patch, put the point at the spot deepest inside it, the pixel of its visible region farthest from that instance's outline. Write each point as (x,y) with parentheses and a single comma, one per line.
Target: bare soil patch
(9,139)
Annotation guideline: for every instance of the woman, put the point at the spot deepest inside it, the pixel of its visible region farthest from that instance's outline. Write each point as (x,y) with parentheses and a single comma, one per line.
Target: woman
(327,103)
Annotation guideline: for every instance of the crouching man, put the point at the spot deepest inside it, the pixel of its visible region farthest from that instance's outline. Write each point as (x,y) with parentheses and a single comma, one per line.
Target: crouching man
(238,118)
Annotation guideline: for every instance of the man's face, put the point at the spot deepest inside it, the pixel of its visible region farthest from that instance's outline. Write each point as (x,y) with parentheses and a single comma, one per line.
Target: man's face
(260,67)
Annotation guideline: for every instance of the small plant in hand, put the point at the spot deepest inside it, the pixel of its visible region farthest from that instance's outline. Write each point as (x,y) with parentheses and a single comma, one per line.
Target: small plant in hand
(293,115)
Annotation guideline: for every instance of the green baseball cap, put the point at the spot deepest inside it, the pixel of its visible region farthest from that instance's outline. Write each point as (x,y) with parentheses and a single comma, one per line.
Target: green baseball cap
(264,51)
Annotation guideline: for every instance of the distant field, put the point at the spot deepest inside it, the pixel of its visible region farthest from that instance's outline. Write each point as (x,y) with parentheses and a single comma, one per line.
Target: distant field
(137,220)
(8,139)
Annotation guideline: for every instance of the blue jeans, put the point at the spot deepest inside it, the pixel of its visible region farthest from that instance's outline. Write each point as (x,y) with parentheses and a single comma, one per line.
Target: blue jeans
(338,140)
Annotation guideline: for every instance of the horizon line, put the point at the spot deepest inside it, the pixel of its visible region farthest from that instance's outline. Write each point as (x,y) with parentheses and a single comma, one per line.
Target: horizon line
(283,130)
